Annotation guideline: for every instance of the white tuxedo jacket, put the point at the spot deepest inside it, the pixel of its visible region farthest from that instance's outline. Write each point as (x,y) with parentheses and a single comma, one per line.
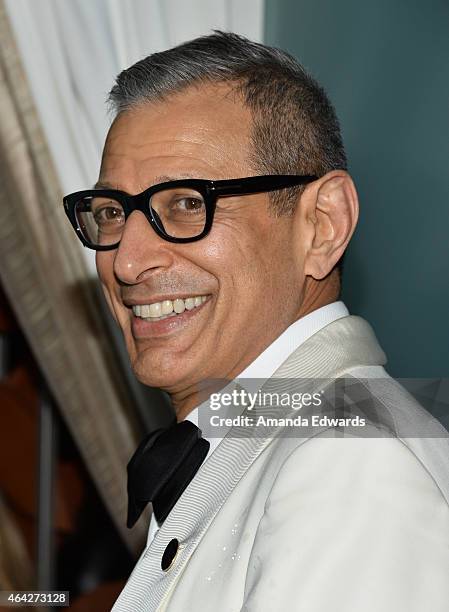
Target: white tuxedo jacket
(311,524)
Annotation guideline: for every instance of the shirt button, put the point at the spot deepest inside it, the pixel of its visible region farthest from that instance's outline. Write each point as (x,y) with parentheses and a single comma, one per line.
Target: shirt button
(169,554)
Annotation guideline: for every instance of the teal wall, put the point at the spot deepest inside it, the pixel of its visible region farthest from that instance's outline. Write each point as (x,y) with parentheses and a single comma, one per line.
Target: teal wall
(385,65)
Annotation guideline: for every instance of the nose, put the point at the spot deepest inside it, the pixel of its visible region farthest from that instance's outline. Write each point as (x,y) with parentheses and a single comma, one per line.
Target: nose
(141,251)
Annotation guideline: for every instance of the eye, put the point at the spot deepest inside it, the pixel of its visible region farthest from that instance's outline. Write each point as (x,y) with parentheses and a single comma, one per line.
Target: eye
(108,214)
(188,204)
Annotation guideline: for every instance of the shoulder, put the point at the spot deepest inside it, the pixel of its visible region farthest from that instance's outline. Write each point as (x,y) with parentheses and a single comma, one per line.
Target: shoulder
(354,468)
(399,439)
(363,521)
(360,521)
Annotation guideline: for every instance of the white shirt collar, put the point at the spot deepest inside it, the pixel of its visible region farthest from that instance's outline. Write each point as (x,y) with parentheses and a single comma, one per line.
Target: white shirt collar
(280,349)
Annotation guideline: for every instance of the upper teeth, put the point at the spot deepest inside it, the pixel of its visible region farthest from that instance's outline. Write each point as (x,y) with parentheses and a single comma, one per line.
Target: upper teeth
(158,309)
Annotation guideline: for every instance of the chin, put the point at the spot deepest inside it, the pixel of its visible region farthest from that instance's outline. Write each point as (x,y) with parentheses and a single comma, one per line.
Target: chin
(156,378)
(158,374)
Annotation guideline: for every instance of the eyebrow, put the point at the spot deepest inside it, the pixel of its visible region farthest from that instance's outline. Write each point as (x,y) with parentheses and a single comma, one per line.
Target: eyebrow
(158,179)
(102,185)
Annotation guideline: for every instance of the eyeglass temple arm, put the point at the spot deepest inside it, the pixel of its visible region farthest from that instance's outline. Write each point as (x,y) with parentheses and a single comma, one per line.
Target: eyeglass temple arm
(257,184)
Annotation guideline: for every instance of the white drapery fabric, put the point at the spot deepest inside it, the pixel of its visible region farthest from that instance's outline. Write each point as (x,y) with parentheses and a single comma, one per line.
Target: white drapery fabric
(45,282)
(72,51)
(56,72)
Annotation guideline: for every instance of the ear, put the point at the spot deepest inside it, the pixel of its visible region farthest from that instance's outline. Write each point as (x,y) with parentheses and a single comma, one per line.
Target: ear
(331,210)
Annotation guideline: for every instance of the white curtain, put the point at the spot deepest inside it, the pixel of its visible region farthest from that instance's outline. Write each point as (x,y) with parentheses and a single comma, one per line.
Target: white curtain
(73,49)
(56,71)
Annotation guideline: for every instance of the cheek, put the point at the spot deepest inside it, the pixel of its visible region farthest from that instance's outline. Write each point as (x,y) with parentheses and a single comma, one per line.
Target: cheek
(270,276)
(229,255)
(104,261)
(249,263)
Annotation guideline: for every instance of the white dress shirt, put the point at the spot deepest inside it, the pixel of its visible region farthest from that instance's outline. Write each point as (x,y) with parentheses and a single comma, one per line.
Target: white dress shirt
(264,366)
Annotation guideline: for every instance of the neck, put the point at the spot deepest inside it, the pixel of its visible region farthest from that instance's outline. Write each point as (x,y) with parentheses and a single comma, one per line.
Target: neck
(183,404)
(319,293)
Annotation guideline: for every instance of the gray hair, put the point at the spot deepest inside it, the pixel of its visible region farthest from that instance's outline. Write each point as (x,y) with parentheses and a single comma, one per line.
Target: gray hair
(295,129)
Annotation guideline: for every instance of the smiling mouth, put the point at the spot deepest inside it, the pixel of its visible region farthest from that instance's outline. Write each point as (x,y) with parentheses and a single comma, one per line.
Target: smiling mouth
(157,311)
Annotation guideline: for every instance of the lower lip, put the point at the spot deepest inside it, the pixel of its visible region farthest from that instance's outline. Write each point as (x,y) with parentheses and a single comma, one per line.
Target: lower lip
(146,328)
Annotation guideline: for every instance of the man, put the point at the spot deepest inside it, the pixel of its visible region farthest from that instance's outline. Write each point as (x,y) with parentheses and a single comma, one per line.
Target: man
(212,275)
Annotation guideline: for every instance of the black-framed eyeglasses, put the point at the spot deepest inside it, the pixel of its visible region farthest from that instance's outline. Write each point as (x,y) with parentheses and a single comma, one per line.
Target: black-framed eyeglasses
(178,211)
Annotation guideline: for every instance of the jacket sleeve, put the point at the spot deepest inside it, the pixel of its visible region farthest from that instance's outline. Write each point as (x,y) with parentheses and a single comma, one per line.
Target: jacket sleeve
(351,524)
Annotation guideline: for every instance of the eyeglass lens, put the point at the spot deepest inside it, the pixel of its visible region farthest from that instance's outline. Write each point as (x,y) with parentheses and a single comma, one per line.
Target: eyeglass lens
(179,212)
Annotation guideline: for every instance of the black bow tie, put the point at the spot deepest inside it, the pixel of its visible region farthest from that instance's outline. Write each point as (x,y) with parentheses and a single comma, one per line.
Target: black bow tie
(162,467)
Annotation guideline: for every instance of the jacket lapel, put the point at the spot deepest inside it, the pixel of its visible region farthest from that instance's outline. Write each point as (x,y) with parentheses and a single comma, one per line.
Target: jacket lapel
(341,345)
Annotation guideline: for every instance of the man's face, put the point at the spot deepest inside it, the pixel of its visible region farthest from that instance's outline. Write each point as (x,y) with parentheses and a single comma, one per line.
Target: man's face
(248,267)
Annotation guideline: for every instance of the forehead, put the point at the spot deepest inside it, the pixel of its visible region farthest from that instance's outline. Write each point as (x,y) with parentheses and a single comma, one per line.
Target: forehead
(201,131)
